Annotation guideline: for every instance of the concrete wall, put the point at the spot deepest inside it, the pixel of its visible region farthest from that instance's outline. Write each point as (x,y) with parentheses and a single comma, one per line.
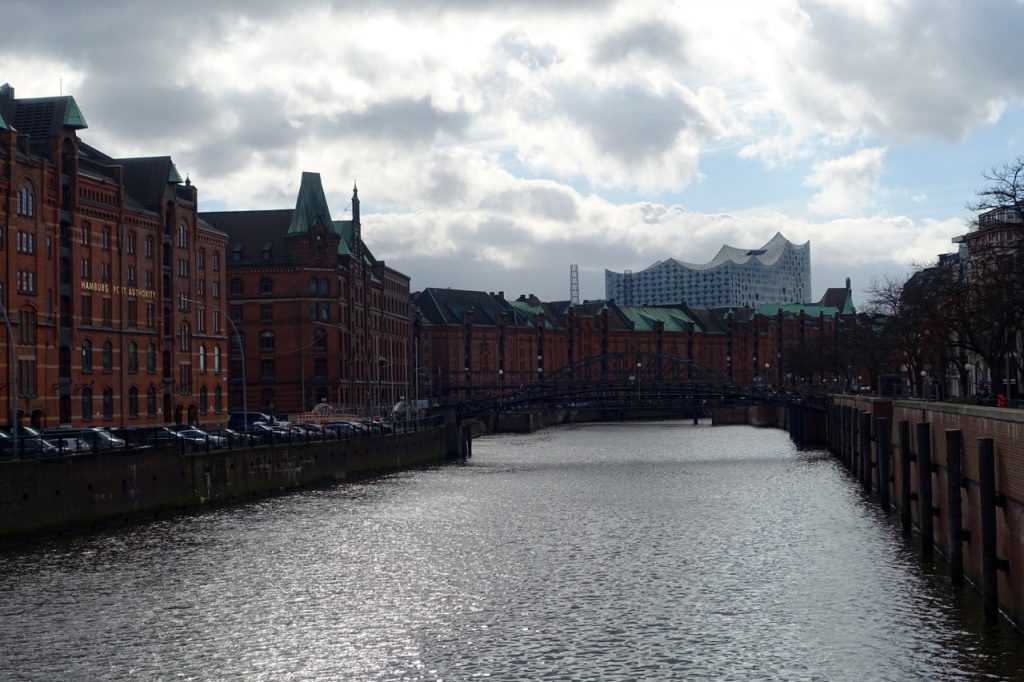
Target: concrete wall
(44,496)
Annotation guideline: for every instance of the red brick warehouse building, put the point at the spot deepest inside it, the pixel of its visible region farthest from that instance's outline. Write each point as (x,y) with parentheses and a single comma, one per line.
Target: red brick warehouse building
(103,260)
(321,319)
(473,342)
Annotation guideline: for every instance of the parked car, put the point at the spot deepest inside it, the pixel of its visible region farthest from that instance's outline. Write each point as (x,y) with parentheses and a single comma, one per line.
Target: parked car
(234,438)
(244,421)
(196,439)
(93,437)
(314,430)
(155,436)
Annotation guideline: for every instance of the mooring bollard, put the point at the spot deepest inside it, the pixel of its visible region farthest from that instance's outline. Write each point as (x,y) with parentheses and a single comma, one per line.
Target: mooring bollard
(906,516)
(955,520)
(865,450)
(987,517)
(924,485)
(883,449)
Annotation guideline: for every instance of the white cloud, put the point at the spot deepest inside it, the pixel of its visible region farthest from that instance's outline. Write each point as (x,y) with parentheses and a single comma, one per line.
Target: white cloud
(847,185)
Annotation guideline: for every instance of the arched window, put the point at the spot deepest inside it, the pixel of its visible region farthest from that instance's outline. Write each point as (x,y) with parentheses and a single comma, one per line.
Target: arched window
(150,357)
(218,399)
(312,285)
(26,202)
(201,259)
(204,404)
(216,359)
(183,236)
(151,402)
(320,339)
(202,359)
(325,286)
(108,357)
(186,336)
(87,356)
(86,404)
(133,357)
(236,286)
(266,286)
(108,403)
(266,340)
(133,402)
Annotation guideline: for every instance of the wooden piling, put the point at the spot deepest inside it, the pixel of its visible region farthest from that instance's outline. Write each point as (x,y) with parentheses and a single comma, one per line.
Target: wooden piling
(924,486)
(865,450)
(883,450)
(954,522)
(987,516)
(847,430)
(904,438)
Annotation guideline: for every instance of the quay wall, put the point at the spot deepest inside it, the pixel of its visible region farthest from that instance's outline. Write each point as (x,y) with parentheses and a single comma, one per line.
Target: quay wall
(940,491)
(40,497)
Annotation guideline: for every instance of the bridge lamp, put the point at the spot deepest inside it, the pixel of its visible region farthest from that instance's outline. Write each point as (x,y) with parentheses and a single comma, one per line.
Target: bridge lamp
(639,365)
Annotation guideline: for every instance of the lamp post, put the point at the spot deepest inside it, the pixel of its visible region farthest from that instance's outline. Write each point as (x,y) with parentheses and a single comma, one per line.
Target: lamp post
(13,384)
(241,355)
(639,365)
(969,375)
(923,394)
(501,388)
(366,360)
(381,361)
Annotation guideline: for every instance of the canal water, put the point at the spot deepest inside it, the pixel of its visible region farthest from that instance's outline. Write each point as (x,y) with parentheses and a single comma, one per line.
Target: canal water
(651,551)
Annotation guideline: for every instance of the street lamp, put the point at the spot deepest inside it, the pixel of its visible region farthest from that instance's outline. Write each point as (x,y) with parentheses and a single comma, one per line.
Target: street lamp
(501,387)
(366,359)
(241,354)
(13,385)
(381,361)
(639,365)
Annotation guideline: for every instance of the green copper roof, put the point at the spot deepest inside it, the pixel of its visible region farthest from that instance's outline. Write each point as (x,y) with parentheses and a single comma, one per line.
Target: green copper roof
(3,124)
(810,309)
(310,206)
(644,319)
(344,229)
(73,117)
(172,175)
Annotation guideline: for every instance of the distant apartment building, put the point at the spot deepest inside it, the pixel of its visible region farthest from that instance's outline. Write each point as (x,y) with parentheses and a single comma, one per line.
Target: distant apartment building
(778,272)
(110,281)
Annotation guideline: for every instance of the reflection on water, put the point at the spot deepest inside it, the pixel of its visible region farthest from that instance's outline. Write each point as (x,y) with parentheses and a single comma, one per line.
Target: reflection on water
(625,551)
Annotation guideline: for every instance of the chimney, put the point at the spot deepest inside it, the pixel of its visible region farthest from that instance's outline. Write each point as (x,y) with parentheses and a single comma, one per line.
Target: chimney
(847,283)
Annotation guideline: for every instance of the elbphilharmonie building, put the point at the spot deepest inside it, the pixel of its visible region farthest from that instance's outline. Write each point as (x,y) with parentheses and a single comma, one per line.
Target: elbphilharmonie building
(778,272)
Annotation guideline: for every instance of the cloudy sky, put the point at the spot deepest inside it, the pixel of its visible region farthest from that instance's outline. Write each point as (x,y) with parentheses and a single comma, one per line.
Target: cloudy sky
(496,143)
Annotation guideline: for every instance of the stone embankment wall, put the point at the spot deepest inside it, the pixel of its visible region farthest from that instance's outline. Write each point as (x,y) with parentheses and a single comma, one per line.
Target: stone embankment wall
(46,496)
(955,474)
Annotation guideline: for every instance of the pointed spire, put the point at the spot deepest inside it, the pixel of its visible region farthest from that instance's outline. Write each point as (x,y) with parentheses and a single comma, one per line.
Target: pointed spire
(310,206)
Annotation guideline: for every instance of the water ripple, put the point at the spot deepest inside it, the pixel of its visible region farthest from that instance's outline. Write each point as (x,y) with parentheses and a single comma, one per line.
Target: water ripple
(615,552)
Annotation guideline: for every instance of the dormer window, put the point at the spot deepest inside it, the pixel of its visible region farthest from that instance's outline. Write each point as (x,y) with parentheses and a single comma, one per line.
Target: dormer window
(267,247)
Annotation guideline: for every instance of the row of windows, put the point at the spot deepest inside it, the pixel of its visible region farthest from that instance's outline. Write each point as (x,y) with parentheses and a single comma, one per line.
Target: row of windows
(133,357)
(26,203)
(321,287)
(133,402)
(26,281)
(26,242)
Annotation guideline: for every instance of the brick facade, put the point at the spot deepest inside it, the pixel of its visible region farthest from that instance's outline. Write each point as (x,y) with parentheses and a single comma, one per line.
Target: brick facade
(101,262)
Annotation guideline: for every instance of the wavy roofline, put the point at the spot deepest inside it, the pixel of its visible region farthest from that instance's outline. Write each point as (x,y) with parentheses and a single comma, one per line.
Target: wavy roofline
(767,255)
